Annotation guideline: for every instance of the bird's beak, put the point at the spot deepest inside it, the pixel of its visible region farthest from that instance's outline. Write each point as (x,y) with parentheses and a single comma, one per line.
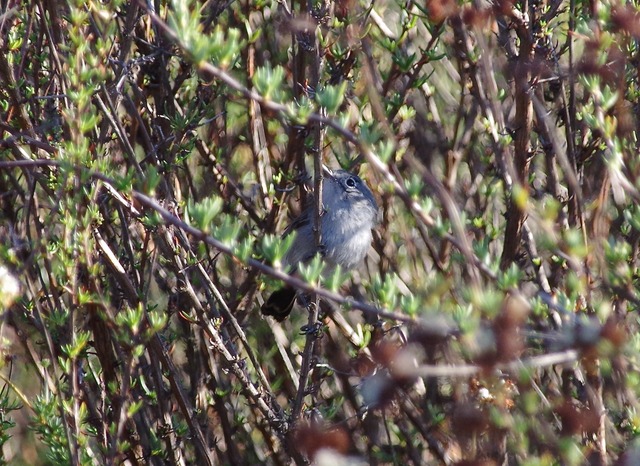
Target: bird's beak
(326,171)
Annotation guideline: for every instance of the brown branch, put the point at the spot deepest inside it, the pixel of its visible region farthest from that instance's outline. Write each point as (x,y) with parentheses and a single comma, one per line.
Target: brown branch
(523,120)
(317,134)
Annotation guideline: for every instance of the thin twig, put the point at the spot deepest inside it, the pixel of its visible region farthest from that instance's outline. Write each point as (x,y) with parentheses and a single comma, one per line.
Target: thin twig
(467,370)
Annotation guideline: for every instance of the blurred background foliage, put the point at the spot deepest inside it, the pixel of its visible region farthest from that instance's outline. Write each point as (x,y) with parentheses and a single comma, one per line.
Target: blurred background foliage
(151,154)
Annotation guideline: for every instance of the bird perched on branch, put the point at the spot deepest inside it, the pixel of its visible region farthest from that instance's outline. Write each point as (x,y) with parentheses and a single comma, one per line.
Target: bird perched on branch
(349,213)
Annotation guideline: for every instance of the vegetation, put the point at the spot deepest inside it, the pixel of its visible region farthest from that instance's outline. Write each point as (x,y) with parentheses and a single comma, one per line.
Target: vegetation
(151,155)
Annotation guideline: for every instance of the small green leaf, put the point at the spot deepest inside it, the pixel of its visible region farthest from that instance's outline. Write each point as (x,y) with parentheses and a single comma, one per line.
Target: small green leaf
(274,248)
(331,97)
(201,214)
(269,82)
(312,271)
(335,280)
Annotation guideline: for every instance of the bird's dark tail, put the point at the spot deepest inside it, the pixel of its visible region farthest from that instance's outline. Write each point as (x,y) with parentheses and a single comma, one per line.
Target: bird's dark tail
(280,303)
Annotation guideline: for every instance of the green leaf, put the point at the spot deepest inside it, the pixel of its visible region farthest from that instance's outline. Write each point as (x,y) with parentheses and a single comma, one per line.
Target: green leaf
(269,82)
(335,280)
(274,248)
(202,214)
(331,97)
(312,271)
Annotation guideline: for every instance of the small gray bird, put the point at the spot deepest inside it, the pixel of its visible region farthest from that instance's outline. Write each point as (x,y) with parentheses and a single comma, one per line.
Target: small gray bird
(350,212)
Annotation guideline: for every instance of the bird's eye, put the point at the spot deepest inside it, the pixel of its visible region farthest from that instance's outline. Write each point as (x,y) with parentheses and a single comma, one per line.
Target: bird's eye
(351,182)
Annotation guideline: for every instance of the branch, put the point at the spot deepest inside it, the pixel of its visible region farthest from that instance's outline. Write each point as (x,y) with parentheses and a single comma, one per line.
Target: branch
(467,370)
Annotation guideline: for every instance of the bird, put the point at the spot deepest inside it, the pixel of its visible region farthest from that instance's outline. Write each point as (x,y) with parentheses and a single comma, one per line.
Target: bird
(349,214)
